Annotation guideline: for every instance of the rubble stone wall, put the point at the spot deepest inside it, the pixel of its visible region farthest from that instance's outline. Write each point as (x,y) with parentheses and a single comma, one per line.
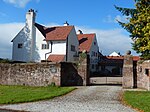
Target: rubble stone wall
(143,75)
(31,74)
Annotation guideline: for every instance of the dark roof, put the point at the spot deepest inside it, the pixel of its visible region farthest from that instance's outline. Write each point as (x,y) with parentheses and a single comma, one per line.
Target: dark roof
(54,33)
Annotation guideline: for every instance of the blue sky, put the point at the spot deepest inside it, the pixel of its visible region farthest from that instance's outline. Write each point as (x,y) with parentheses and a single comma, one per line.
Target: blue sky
(91,16)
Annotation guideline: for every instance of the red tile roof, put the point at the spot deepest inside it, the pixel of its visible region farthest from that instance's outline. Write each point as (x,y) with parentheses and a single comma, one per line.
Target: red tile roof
(135,58)
(56,58)
(54,33)
(85,41)
(115,59)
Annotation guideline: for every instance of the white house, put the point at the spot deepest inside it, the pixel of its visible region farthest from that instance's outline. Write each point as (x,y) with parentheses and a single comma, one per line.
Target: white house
(36,42)
(88,43)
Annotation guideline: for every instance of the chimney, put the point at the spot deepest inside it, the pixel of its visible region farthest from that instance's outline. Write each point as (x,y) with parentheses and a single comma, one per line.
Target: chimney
(30,21)
(30,18)
(79,32)
(66,24)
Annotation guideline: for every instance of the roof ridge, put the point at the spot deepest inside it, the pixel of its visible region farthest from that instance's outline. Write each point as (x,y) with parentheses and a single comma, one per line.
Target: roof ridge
(59,26)
(87,34)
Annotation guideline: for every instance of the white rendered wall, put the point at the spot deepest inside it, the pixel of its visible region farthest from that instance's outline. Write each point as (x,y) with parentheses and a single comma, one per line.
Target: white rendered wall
(24,53)
(39,53)
(26,37)
(59,47)
(72,40)
(94,59)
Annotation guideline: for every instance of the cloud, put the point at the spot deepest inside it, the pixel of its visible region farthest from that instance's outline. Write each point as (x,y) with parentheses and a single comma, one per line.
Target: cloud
(7,33)
(110,19)
(19,3)
(121,18)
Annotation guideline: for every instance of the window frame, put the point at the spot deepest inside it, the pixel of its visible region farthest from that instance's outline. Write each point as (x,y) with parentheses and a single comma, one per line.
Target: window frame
(73,48)
(45,46)
(20,45)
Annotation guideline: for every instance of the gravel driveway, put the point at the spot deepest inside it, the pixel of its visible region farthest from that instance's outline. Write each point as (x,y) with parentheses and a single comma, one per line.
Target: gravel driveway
(84,99)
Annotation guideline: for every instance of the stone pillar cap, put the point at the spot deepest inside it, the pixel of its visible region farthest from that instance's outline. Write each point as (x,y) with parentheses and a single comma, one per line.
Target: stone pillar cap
(128,52)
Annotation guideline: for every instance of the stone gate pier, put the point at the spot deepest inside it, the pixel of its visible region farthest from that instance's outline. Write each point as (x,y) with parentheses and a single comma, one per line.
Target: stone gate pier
(128,71)
(135,75)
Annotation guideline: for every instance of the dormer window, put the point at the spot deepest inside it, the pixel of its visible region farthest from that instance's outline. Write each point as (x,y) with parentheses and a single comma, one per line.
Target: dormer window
(20,45)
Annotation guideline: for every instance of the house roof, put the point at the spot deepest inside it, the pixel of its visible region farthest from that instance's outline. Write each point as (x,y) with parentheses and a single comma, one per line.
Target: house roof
(56,58)
(85,41)
(110,60)
(135,58)
(54,33)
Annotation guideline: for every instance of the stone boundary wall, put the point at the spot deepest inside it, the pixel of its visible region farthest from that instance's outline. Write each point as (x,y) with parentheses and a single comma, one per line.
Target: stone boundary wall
(69,75)
(73,75)
(143,75)
(44,74)
(31,74)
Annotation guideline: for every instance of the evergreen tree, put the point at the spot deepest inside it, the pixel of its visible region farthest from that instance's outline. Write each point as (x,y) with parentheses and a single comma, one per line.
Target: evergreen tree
(138,26)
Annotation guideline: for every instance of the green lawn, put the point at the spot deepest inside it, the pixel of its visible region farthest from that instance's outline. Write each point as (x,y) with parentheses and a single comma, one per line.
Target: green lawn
(19,94)
(138,99)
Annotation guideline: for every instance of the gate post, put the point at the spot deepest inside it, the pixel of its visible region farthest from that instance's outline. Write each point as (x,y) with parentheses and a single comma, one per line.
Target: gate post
(128,81)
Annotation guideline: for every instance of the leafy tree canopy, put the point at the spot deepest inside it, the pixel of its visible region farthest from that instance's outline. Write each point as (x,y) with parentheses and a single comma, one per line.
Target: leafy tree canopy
(138,26)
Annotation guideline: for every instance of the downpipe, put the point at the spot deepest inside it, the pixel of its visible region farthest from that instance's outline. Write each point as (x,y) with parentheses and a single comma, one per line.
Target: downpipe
(49,52)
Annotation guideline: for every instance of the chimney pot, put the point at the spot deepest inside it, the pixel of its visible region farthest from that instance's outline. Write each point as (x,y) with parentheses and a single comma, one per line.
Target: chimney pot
(79,32)
(66,24)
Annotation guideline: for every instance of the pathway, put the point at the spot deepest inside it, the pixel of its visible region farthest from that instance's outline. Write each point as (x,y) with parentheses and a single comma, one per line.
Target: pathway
(84,99)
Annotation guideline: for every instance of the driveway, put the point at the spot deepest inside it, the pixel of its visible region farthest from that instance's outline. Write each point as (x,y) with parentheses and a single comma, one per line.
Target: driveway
(84,99)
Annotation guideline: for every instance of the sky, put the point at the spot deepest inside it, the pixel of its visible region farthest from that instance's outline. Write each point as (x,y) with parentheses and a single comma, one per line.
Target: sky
(90,16)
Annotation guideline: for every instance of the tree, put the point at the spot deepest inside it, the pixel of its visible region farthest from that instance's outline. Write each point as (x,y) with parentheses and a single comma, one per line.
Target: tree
(138,26)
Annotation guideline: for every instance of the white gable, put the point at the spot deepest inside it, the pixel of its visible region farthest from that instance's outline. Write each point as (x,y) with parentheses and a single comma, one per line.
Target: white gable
(114,54)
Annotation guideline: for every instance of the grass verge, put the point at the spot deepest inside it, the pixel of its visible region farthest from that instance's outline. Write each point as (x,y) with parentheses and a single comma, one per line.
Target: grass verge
(20,94)
(138,99)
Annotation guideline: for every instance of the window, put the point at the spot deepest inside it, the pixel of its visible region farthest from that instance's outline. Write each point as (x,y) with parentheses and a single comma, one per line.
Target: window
(147,72)
(92,66)
(20,45)
(73,48)
(93,53)
(96,55)
(45,46)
